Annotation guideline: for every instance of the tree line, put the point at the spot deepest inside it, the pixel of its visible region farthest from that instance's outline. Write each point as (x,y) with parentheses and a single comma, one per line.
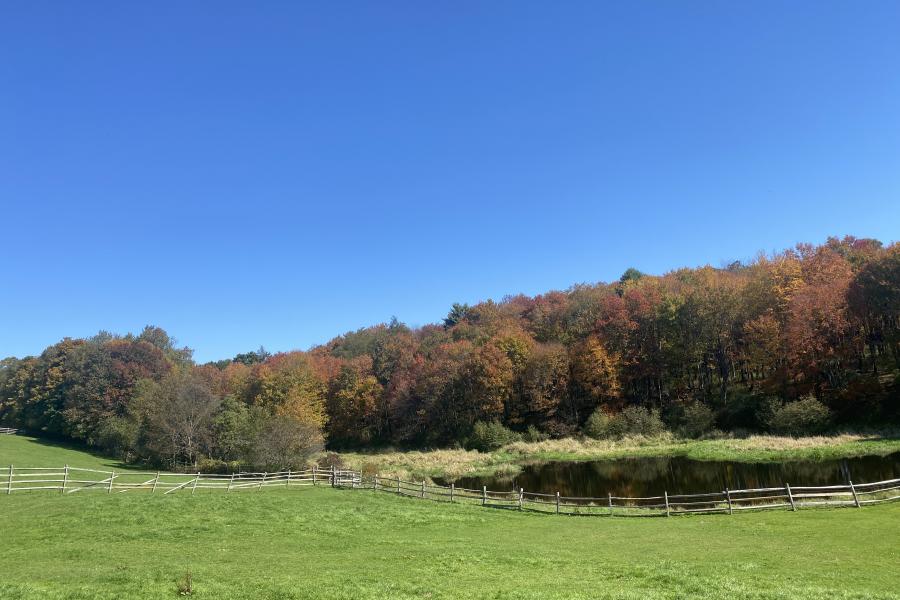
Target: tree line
(796,341)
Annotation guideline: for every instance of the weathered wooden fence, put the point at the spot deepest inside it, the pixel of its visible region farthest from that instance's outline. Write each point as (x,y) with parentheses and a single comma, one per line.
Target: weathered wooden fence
(727,501)
(8,431)
(69,480)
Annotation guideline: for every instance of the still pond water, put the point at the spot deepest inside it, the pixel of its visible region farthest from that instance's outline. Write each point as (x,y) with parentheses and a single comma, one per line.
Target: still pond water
(679,475)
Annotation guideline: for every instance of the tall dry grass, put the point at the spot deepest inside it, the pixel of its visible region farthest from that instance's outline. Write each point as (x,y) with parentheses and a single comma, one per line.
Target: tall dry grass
(451,464)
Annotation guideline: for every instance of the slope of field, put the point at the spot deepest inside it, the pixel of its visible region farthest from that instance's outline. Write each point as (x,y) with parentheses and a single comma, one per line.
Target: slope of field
(25,451)
(327,543)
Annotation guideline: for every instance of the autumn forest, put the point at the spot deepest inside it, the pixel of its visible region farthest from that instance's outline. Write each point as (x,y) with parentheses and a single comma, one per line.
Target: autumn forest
(797,342)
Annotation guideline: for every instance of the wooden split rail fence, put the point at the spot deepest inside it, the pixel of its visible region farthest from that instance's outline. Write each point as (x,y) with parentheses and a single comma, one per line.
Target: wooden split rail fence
(70,480)
(8,431)
(727,501)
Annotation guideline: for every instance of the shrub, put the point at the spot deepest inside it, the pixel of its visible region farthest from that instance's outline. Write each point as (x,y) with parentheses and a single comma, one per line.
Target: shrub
(634,420)
(331,459)
(490,436)
(804,416)
(597,425)
(533,434)
(696,420)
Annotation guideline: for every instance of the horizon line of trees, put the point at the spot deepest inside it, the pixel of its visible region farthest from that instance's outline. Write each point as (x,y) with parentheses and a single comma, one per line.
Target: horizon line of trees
(791,342)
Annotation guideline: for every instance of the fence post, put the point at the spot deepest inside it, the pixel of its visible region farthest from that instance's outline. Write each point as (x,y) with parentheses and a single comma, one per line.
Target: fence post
(288,482)
(315,474)
(333,482)
(112,478)
(230,482)
(727,493)
(855,497)
(9,481)
(375,484)
(666,494)
(155,481)
(262,481)
(609,495)
(65,479)
(423,488)
(521,494)
(557,502)
(452,488)
(787,488)
(483,495)
(398,485)
(194,488)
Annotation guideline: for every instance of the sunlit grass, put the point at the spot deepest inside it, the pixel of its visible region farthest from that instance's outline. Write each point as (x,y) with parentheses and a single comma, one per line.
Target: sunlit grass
(326,543)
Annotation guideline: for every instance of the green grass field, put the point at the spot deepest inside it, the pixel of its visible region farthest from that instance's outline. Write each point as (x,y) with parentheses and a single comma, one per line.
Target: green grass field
(326,543)
(25,451)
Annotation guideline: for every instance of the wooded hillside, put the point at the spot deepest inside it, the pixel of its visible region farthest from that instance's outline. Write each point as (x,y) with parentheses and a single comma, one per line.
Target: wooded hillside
(793,342)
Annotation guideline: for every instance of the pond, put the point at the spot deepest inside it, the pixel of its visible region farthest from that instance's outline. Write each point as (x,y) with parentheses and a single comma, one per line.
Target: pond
(678,475)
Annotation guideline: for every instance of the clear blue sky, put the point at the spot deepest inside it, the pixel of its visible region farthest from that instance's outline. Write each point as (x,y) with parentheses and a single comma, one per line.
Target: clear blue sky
(277,173)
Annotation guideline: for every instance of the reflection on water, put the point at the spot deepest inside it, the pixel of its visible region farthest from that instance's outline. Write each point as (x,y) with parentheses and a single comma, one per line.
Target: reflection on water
(678,475)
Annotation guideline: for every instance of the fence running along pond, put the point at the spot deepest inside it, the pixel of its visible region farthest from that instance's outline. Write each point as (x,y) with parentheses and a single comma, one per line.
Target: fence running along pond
(69,480)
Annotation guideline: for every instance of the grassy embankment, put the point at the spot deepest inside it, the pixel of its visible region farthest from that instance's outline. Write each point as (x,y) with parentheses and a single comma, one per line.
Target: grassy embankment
(457,463)
(760,448)
(325,543)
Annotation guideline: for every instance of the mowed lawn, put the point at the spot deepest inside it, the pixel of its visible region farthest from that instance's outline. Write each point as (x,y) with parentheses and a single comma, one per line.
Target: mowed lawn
(326,543)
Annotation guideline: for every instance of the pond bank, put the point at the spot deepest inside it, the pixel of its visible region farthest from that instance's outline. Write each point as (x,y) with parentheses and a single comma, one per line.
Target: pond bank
(451,464)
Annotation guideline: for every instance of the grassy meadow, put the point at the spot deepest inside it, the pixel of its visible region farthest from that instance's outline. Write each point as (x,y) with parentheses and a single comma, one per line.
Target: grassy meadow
(326,543)
(26,451)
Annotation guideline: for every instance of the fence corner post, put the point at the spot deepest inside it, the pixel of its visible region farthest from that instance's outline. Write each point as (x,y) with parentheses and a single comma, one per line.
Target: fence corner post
(666,495)
(790,496)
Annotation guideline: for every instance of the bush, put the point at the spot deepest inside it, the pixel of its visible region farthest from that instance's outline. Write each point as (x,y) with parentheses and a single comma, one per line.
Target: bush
(533,434)
(804,416)
(490,436)
(331,459)
(634,420)
(696,420)
(597,425)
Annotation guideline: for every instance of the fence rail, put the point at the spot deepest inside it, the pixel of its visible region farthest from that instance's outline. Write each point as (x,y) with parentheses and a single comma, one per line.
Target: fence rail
(70,480)
(8,431)
(726,501)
